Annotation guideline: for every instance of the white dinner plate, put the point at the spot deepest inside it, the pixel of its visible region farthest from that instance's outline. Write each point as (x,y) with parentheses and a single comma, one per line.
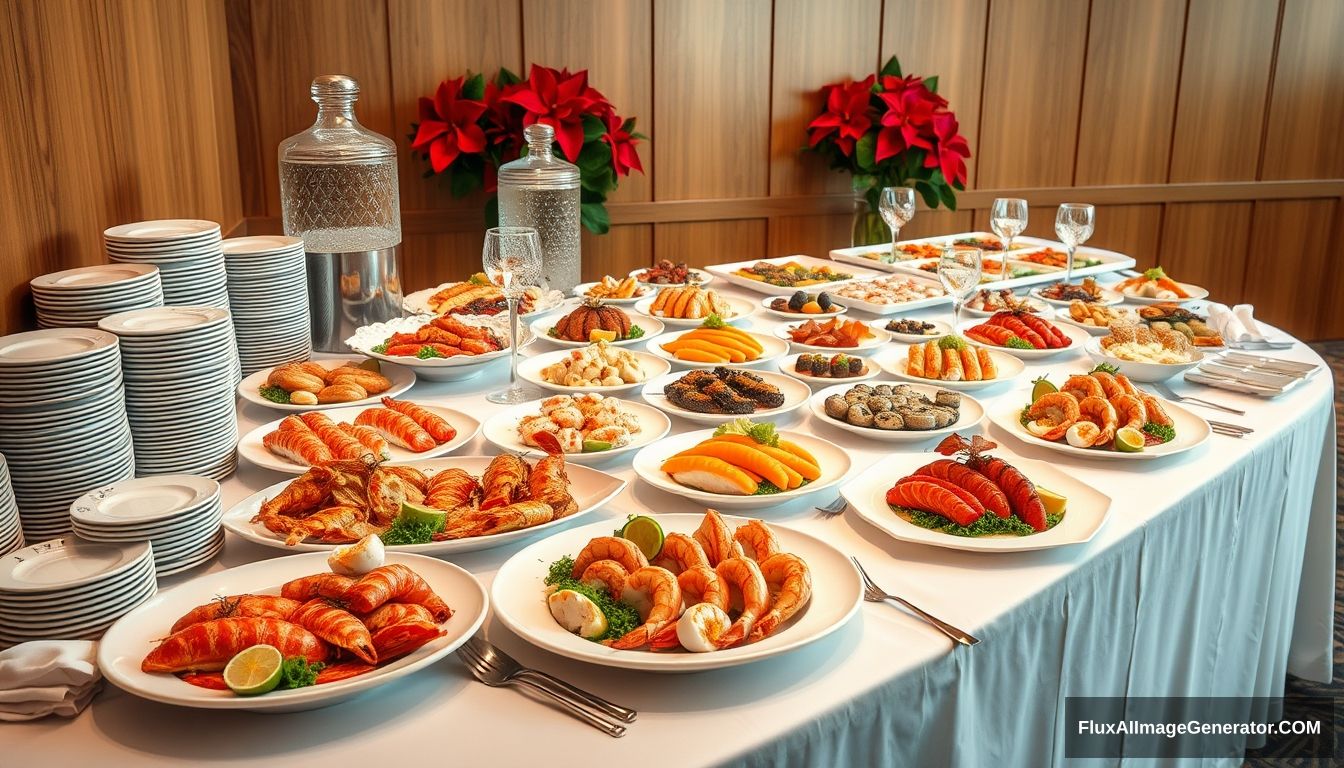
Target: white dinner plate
(940,328)
(97,279)
(163,230)
(1143,372)
(880,337)
(729,272)
(1062,315)
(1034,305)
(541,329)
(1086,512)
(251,447)
(62,564)
(129,640)
(402,379)
(40,350)
(143,501)
(694,277)
(1006,366)
(795,395)
(741,310)
(969,414)
(837,308)
(1077,338)
(502,431)
(417,303)
(642,291)
(529,369)
(590,488)
(872,369)
(164,321)
(833,460)
(520,601)
(772,347)
(1109,297)
(1196,293)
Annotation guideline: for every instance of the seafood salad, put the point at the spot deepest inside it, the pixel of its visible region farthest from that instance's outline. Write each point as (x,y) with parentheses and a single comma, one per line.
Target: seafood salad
(744,458)
(1144,344)
(318,629)
(581,424)
(596,365)
(1100,409)
(713,589)
(892,289)
(981,495)
(894,407)
(314,439)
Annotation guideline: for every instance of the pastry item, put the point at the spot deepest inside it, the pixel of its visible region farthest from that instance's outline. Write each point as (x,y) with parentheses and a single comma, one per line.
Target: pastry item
(341,393)
(371,382)
(592,315)
(293,378)
(397,427)
(431,422)
(689,303)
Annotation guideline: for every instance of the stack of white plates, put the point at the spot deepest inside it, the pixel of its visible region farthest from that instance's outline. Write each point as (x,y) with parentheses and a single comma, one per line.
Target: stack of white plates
(11,533)
(180,371)
(186,251)
(268,296)
(68,589)
(178,514)
(85,295)
(63,426)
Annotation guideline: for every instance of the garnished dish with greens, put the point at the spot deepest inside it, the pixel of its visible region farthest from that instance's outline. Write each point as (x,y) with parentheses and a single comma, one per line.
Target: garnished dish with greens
(595,321)
(313,383)
(744,458)
(1100,410)
(445,336)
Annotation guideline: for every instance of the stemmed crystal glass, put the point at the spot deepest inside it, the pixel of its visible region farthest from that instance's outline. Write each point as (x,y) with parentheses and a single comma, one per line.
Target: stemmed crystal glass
(1073,226)
(897,206)
(511,259)
(1008,219)
(959,270)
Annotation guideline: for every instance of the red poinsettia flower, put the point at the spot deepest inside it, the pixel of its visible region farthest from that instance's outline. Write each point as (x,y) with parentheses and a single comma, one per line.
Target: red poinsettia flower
(847,115)
(624,156)
(503,122)
(906,123)
(448,126)
(559,99)
(952,148)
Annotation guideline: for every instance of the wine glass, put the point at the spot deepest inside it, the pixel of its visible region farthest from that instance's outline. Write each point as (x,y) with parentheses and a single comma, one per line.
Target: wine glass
(1073,226)
(511,258)
(1008,219)
(959,271)
(897,206)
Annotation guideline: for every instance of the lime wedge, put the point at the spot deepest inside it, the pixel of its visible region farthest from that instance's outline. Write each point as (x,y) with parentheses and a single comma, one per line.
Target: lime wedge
(254,671)
(417,513)
(594,446)
(370,364)
(1054,503)
(1041,387)
(1129,440)
(646,533)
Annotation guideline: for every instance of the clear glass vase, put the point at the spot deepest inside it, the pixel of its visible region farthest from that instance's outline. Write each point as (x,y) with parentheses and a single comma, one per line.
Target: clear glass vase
(867,226)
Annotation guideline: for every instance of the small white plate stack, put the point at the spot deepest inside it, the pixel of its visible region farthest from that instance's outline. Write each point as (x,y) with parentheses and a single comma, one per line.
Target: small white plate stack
(268,296)
(63,425)
(178,514)
(11,533)
(83,296)
(68,589)
(180,371)
(186,251)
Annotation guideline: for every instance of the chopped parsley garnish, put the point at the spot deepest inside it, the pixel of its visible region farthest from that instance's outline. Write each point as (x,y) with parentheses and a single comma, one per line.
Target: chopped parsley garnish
(1105,368)
(951,342)
(713,321)
(407,531)
(762,432)
(379,348)
(1017,343)
(635,332)
(621,618)
(1162,432)
(298,672)
(274,394)
(426,352)
(989,523)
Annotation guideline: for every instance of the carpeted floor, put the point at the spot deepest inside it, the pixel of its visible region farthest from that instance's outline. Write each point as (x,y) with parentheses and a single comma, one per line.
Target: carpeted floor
(1333,352)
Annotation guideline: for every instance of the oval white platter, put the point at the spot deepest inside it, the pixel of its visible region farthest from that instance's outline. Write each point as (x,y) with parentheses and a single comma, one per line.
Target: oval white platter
(742,309)
(694,277)
(1196,294)
(940,328)
(642,291)
(772,349)
(136,634)
(837,308)
(1007,367)
(1086,512)
(251,447)
(520,601)
(1191,432)
(970,413)
(437,368)
(1077,338)
(590,488)
(502,431)
(529,369)
(795,395)
(1109,297)
(833,460)
(417,303)
(651,326)
(880,337)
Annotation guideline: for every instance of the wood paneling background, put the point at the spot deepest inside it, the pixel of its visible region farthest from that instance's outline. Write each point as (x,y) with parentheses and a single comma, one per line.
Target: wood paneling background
(1206,131)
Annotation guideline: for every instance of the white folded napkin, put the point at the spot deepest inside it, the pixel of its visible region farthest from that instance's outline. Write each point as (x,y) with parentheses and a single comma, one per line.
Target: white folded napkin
(47,677)
(1236,324)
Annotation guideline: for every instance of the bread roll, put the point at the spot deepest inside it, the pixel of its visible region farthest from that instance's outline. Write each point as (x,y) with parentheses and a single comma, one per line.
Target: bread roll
(343,392)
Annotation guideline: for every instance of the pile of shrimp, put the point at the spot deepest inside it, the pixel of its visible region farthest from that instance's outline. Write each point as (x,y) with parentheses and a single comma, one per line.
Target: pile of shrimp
(573,419)
(1089,409)
(744,573)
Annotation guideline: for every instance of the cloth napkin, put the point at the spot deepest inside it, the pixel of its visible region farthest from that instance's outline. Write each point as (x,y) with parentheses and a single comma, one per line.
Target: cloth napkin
(48,677)
(1235,324)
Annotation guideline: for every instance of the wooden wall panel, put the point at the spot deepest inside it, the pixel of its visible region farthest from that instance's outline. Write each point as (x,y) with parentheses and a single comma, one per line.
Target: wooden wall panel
(1306,109)
(940,222)
(808,235)
(944,38)
(1129,95)
(1206,244)
(1290,246)
(710,242)
(1031,94)
(800,67)
(1130,229)
(1229,49)
(624,248)
(712,103)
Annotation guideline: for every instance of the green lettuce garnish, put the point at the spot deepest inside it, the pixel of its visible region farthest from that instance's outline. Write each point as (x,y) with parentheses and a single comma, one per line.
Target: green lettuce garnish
(379,348)
(713,321)
(274,394)
(1017,343)
(298,672)
(1162,432)
(762,432)
(621,618)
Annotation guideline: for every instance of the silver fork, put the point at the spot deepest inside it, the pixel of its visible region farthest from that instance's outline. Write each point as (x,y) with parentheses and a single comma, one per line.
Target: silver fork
(1171,395)
(832,509)
(504,661)
(875,594)
(487,670)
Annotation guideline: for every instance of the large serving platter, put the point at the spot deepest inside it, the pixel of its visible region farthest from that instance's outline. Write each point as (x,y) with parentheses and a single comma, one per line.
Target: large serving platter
(969,415)
(728,272)
(249,388)
(875,308)
(453,368)
(138,632)
(1191,432)
(742,309)
(417,303)
(520,601)
(502,431)
(251,447)
(1087,508)
(590,488)
(795,394)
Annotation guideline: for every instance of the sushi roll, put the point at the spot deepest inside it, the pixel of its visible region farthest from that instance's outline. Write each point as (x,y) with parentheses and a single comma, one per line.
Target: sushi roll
(889,420)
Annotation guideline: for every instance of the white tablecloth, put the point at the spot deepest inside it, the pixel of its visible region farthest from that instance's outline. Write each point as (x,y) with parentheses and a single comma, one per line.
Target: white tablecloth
(1214,575)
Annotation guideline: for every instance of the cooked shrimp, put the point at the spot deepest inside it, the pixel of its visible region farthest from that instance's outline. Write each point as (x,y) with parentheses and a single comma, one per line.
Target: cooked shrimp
(1154,411)
(1129,411)
(702,584)
(680,553)
(606,574)
(1052,415)
(1126,384)
(790,585)
(758,542)
(717,539)
(654,592)
(1099,412)
(746,587)
(1081,386)
(623,551)
(558,401)
(1110,387)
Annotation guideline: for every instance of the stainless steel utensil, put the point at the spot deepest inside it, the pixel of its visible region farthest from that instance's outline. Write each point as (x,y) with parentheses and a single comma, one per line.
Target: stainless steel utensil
(875,594)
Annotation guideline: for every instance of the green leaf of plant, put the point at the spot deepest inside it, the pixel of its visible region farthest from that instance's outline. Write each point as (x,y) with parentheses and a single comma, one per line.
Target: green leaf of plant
(505,77)
(594,217)
(926,190)
(892,67)
(462,181)
(865,151)
(931,83)
(592,128)
(474,87)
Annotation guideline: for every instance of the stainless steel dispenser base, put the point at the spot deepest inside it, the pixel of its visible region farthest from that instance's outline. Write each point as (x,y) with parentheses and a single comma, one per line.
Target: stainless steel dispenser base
(349,290)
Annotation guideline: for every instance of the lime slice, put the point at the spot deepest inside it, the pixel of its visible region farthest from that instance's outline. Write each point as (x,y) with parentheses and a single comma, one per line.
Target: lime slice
(416,513)
(594,446)
(1129,440)
(1041,387)
(1054,503)
(646,533)
(370,364)
(254,671)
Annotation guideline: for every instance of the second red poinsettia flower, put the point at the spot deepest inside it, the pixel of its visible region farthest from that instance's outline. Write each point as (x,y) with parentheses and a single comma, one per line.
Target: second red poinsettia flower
(907,122)
(847,115)
(624,156)
(559,99)
(448,127)
(952,151)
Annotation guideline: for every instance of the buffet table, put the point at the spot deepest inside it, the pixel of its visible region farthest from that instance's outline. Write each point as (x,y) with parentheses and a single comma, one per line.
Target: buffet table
(1214,575)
